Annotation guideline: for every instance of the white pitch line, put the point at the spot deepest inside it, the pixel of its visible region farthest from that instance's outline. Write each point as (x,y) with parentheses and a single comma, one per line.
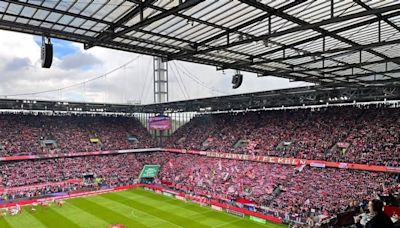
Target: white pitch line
(158,218)
(226,223)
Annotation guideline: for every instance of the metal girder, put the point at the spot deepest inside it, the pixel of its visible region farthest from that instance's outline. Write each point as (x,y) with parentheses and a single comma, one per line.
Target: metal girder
(62,12)
(372,74)
(185,5)
(355,25)
(345,67)
(109,44)
(245,24)
(345,51)
(84,18)
(296,20)
(76,38)
(318,28)
(205,23)
(321,36)
(303,25)
(365,6)
(99,25)
(310,95)
(94,39)
(108,33)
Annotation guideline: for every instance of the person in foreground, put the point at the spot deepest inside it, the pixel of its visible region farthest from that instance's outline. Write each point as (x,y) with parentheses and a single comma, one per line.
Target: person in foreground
(377,218)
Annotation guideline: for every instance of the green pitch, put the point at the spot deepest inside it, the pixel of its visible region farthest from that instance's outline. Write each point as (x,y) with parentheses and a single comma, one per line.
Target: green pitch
(134,208)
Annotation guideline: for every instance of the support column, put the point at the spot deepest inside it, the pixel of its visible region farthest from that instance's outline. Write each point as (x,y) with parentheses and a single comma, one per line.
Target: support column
(160,80)
(160,91)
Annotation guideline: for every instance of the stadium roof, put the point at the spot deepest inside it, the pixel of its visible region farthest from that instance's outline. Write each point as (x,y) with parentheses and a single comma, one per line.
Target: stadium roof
(307,96)
(329,42)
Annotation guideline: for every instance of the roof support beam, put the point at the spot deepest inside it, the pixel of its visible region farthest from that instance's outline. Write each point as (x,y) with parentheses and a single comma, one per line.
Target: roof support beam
(62,12)
(207,24)
(302,24)
(325,32)
(371,74)
(248,23)
(379,15)
(370,21)
(322,53)
(337,68)
(185,5)
(106,35)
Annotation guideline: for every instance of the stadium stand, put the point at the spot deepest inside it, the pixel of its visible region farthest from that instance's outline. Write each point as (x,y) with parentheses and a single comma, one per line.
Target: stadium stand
(283,189)
(364,135)
(324,191)
(103,171)
(343,134)
(38,134)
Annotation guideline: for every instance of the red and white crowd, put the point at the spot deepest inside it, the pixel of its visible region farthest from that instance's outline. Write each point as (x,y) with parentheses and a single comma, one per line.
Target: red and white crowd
(345,134)
(27,134)
(360,135)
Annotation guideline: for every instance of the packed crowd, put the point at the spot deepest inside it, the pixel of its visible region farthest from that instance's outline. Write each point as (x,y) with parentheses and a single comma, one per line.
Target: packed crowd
(350,134)
(360,135)
(285,189)
(280,187)
(28,134)
(110,170)
(223,178)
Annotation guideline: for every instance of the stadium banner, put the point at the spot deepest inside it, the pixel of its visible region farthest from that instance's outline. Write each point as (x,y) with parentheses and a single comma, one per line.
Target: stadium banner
(79,154)
(288,161)
(167,194)
(256,219)
(148,189)
(160,122)
(317,164)
(149,171)
(94,140)
(216,208)
(237,213)
(180,198)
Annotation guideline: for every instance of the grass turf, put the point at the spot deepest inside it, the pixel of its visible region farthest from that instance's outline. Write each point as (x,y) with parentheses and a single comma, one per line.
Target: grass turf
(134,208)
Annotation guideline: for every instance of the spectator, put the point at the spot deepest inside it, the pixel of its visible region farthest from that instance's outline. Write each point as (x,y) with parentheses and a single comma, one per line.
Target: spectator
(378,218)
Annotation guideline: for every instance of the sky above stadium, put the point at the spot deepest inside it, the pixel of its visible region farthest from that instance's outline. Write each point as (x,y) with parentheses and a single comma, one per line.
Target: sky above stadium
(122,77)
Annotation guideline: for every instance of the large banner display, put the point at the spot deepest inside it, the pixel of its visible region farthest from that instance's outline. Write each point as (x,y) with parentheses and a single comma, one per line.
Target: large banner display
(289,161)
(149,171)
(160,123)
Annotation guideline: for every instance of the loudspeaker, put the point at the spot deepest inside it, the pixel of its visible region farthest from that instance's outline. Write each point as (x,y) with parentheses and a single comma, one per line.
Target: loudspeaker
(47,55)
(237,80)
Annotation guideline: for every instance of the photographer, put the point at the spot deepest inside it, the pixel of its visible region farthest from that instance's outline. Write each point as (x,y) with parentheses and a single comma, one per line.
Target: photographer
(378,219)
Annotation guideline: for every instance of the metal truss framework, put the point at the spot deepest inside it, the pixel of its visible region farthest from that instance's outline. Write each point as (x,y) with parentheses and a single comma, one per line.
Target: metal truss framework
(328,42)
(303,96)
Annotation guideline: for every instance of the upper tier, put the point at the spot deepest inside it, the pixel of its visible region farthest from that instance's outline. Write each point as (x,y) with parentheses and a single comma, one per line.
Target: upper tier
(348,134)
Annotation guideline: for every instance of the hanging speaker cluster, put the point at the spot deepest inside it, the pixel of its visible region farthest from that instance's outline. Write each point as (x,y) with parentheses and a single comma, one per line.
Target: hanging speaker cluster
(237,80)
(46,54)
